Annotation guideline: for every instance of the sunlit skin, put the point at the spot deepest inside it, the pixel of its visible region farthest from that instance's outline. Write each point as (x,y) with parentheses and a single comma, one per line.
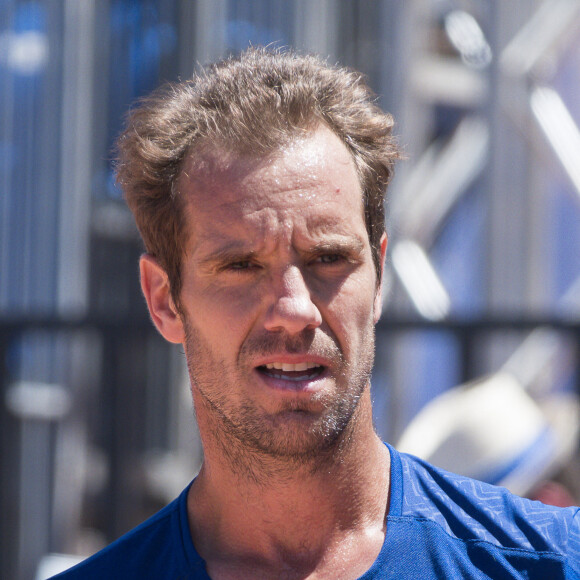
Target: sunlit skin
(277,315)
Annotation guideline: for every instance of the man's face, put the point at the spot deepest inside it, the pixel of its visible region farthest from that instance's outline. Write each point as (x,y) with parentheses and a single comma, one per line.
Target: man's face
(279,295)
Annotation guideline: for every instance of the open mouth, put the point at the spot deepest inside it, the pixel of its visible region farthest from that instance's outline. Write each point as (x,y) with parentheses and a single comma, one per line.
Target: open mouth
(305,371)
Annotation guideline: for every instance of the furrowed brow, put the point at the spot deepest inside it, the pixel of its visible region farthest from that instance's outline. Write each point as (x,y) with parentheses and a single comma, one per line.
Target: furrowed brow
(352,245)
(233,252)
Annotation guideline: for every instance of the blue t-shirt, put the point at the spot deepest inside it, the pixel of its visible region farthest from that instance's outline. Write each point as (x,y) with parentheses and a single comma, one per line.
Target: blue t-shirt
(440,525)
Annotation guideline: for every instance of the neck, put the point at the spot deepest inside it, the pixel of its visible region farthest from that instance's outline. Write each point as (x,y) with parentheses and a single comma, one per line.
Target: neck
(278,506)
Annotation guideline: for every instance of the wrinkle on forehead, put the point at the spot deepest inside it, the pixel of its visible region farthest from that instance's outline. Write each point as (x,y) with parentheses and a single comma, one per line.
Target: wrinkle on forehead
(271,196)
(266,229)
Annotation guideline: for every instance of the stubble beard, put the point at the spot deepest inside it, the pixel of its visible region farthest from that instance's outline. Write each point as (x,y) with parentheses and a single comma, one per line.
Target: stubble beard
(254,441)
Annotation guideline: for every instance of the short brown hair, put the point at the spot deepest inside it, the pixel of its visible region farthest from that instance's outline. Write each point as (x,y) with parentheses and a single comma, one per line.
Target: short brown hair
(249,104)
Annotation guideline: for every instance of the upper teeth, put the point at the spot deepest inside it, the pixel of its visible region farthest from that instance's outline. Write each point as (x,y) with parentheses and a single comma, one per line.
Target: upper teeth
(303,366)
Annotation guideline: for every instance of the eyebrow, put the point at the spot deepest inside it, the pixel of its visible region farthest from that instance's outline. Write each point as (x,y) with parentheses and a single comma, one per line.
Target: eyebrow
(233,250)
(343,243)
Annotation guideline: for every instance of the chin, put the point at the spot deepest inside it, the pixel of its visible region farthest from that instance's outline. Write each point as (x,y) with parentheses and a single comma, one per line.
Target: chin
(299,435)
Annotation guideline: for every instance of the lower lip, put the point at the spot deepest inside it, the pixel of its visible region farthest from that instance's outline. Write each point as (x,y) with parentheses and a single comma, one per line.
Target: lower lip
(307,385)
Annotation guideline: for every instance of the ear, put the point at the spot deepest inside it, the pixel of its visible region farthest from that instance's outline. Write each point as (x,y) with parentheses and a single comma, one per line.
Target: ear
(378,305)
(157,292)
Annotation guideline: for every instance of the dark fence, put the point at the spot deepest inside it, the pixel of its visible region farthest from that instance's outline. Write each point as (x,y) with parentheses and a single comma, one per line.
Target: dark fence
(96,372)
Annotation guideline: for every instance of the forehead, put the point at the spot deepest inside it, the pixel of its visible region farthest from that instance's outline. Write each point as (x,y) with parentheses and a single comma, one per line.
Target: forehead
(312,177)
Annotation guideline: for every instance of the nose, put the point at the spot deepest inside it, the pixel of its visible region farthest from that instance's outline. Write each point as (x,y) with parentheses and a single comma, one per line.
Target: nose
(292,308)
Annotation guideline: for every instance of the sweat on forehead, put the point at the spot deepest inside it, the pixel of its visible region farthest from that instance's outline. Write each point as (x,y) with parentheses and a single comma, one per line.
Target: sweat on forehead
(309,151)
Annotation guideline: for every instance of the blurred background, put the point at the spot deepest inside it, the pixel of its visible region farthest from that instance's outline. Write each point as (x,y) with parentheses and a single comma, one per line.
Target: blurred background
(478,346)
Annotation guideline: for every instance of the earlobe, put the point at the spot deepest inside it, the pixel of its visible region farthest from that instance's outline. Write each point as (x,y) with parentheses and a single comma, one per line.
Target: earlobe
(157,292)
(378,305)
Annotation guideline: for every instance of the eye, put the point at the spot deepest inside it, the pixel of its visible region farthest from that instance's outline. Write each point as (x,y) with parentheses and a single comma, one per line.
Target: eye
(329,258)
(241,265)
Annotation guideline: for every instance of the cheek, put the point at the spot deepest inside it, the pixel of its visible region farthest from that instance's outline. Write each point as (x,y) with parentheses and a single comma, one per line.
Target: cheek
(350,315)
(223,315)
